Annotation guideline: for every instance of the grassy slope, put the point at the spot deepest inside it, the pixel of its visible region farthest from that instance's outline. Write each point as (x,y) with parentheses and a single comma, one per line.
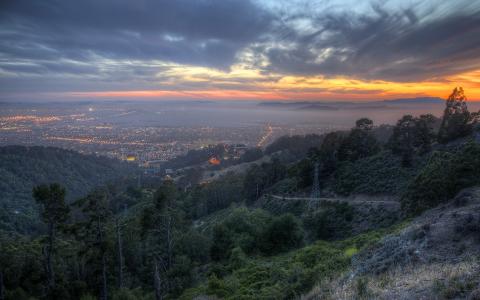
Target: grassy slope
(286,275)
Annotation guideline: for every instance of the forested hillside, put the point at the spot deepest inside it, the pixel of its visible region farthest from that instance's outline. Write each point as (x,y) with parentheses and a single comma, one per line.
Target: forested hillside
(385,202)
(21,168)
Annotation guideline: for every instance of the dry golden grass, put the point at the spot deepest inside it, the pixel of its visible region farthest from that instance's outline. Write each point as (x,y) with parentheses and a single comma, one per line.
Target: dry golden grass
(412,282)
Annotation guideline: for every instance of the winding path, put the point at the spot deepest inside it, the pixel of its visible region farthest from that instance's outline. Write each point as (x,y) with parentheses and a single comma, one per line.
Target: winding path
(391,203)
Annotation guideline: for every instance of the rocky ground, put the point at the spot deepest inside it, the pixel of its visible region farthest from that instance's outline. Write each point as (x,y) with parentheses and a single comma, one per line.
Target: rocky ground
(435,257)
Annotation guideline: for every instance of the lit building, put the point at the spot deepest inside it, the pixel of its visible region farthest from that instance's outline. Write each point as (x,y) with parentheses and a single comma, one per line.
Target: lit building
(214,161)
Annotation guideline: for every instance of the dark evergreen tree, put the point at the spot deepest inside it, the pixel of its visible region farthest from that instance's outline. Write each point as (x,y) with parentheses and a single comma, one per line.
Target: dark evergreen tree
(328,153)
(412,135)
(222,243)
(160,224)
(92,232)
(54,212)
(360,142)
(282,234)
(457,120)
(403,139)
(425,134)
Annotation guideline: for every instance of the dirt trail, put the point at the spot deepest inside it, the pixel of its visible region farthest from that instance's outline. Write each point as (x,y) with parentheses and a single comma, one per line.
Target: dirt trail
(352,201)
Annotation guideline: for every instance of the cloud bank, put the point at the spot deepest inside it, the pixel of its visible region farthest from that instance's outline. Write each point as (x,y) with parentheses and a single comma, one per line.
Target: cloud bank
(242,45)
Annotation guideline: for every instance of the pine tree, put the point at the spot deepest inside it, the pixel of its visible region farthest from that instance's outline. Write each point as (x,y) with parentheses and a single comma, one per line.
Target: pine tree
(92,231)
(412,135)
(359,143)
(457,120)
(159,225)
(54,212)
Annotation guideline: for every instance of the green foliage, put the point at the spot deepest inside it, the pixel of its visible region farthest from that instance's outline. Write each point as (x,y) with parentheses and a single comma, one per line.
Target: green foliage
(457,120)
(20,264)
(261,177)
(282,234)
(54,214)
(125,294)
(288,275)
(242,228)
(412,135)
(222,243)
(238,258)
(214,196)
(201,237)
(302,172)
(359,143)
(332,222)
(165,195)
(22,168)
(445,174)
(194,245)
(51,198)
(255,231)
(378,174)
(328,153)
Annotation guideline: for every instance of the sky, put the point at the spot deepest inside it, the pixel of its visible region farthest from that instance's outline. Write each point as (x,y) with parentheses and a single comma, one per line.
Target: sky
(238,49)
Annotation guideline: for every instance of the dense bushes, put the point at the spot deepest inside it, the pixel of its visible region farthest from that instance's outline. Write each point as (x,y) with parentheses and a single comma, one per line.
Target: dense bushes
(332,222)
(282,234)
(359,143)
(284,276)
(219,194)
(261,177)
(457,121)
(445,174)
(379,174)
(255,232)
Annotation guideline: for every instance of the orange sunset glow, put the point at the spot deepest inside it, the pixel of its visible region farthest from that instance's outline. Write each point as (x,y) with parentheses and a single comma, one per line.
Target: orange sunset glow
(276,50)
(306,88)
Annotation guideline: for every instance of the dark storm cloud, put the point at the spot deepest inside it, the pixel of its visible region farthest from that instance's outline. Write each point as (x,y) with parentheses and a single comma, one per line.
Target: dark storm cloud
(203,32)
(391,45)
(121,40)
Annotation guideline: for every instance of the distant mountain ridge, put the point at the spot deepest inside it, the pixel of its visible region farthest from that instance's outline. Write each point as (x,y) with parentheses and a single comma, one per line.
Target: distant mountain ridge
(335,105)
(418,100)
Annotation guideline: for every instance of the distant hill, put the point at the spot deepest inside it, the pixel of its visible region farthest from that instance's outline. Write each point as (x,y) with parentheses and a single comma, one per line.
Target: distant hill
(291,104)
(336,105)
(419,100)
(21,168)
(315,106)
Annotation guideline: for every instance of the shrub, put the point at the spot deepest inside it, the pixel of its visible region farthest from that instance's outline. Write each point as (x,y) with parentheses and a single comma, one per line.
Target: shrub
(332,222)
(361,288)
(282,234)
(222,243)
(379,174)
(445,174)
